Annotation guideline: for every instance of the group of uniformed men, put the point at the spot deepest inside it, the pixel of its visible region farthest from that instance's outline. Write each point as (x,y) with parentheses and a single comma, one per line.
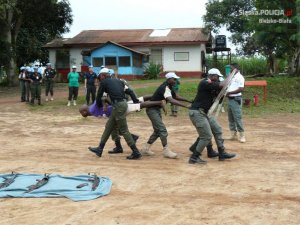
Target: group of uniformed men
(206,126)
(31,80)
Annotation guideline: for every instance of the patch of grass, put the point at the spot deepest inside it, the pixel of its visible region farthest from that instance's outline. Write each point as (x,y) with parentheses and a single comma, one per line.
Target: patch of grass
(56,106)
(145,91)
(283,95)
(134,82)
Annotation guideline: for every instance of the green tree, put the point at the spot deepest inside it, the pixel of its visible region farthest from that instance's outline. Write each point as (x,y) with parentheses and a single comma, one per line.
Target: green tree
(28,25)
(273,40)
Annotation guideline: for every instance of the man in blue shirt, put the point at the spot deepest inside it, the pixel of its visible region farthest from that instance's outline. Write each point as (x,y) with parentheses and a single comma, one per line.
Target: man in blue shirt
(89,83)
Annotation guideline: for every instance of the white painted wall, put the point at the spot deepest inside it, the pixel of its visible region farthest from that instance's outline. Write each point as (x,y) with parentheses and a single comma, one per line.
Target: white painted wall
(52,57)
(76,58)
(194,63)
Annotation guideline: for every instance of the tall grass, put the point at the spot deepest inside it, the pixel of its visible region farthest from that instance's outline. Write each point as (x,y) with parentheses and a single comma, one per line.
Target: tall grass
(248,66)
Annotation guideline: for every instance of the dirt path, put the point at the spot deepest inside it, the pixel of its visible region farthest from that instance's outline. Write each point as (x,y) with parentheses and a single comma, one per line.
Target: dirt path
(260,186)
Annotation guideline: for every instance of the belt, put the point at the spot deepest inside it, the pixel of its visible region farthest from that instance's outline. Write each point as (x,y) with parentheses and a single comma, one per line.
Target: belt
(117,100)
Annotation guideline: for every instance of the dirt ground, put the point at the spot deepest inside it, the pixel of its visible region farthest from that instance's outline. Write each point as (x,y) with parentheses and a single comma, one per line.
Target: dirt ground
(259,186)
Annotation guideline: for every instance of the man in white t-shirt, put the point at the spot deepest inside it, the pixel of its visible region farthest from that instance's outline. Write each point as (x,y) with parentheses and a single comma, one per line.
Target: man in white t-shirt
(235,102)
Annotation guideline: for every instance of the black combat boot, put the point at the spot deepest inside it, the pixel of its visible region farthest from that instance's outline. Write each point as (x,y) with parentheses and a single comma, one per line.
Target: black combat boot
(135,137)
(224,155)
(97,150)
(195,158)
(193,147)
(118,148)
(135,153)
(39,101)
(211,153)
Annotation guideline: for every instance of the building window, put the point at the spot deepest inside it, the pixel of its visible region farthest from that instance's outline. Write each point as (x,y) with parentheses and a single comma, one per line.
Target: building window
(124,61)
(181,56)
(156,56)
(97,61)
(110,61)
(137,60)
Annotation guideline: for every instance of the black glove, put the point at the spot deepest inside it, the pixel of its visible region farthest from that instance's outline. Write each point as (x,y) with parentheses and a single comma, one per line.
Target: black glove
(135,101)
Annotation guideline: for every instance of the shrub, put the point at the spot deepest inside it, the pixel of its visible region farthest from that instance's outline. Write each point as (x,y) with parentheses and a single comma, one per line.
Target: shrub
(152,70)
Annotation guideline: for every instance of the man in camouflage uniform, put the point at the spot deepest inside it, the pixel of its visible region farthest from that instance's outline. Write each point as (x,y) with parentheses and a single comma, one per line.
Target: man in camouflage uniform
(163,92)
(207,126)
(115,89)
(49,76)
(36,80)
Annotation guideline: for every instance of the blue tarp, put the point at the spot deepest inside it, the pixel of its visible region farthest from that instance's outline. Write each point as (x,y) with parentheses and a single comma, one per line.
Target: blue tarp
(57,186)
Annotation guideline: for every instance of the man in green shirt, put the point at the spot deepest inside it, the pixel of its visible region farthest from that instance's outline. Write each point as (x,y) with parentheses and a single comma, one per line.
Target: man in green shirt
(73,80)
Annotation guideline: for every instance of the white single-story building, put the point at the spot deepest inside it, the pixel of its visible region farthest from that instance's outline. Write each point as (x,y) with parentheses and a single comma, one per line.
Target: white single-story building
(178,49)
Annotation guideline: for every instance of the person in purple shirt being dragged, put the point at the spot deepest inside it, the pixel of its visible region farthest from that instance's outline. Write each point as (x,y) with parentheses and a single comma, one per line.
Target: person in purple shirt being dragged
(94,110)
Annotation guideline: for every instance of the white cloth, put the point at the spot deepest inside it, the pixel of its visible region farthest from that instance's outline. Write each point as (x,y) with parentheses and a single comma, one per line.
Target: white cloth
(167,93)
(141,99)
(133,107)
(41,70)
(237,82)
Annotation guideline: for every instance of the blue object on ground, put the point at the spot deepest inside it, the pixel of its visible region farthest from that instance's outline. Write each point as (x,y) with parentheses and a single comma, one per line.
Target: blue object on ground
(57,186)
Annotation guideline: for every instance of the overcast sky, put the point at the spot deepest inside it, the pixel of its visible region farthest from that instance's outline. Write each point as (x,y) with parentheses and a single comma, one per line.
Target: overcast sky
(135,14)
